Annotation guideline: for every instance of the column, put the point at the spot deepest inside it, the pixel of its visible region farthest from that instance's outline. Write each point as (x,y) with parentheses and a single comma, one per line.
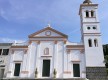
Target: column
(89,13)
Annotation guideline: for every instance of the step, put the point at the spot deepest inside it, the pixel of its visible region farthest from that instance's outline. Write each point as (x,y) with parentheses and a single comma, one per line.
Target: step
(46,79)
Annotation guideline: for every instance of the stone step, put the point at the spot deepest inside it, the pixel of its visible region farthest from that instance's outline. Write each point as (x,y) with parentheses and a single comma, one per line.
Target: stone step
(46,79)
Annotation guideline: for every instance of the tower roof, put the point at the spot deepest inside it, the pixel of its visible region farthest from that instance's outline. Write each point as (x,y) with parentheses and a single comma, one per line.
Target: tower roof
(87,2)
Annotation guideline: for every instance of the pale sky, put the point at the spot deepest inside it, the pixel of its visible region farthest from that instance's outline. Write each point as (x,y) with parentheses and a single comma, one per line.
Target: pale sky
(20,18)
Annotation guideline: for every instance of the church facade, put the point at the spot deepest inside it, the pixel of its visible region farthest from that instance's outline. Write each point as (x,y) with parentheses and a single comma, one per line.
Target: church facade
(49,54)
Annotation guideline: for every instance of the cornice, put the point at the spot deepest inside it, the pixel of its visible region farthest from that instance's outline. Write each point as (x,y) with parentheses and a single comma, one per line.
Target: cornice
(19,46)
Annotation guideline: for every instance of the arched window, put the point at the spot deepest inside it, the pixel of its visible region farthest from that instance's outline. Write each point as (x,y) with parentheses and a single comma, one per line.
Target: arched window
(92,13)
(0,51)
(95,42)
(46,51)
(87,13)
(90,43)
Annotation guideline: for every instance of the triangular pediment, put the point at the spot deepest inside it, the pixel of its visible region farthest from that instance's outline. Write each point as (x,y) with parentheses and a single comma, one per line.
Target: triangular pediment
(48,32)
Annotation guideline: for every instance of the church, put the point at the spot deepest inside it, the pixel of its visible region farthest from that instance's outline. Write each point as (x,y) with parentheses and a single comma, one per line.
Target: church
(48,54)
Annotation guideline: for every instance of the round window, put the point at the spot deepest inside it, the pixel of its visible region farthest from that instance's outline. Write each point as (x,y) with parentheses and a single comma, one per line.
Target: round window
(94,27)
(48,33)
(88,28)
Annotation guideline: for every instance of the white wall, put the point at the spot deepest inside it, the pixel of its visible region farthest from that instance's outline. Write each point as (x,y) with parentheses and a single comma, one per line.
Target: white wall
(34,56)
(94,55)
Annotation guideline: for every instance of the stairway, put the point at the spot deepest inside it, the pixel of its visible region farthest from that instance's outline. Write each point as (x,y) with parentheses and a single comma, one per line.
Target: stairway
(48,79)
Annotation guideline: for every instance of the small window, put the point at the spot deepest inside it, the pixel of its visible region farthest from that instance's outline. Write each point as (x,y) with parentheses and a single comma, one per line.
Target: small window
(46,51)
(88,28)
(5,51)
(92,13)
(87,13)
(0,51)
(90,42)
(96,43)
(94,27)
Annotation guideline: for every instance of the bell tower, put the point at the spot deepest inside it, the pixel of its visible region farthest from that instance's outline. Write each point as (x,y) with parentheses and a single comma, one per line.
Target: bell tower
(91,35)
(91,38)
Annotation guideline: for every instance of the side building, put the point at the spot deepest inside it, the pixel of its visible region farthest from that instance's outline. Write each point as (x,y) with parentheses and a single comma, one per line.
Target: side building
(4,51)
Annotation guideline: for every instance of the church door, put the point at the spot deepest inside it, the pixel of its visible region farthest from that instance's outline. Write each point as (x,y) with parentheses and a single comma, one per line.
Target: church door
(46,68)
(17,69)
(76,70)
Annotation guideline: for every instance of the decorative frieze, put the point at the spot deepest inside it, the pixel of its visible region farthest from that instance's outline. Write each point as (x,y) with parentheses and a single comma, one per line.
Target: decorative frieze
(25,51)
(68,51)
(82,51)
(38,42)
(30,42)
(75,47)
(65,41)
(18,61)
(67,72)
(24,46)
(9,72)
(12,51)
(55,42)
(46,56)
(75,61)
(24,72)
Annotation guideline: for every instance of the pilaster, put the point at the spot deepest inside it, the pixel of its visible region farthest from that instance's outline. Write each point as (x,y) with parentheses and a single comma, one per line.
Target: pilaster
(55,54)
(24,71)
(37,57)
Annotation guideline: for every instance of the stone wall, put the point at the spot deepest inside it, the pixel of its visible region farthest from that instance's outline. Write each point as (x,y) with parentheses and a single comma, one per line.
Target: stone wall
(96,73)
(47,79)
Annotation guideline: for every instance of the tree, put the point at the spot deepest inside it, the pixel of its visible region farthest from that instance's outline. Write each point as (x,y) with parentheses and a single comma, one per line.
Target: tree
(106,58)
(105,50)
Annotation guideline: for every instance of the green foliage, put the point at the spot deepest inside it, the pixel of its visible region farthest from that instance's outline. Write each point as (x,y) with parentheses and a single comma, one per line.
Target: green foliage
(105,50)
(36,72)
(55,72)
(106,59)
(107,70)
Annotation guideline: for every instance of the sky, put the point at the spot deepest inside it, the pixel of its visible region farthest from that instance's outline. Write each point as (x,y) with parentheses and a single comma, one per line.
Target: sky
(20,18)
